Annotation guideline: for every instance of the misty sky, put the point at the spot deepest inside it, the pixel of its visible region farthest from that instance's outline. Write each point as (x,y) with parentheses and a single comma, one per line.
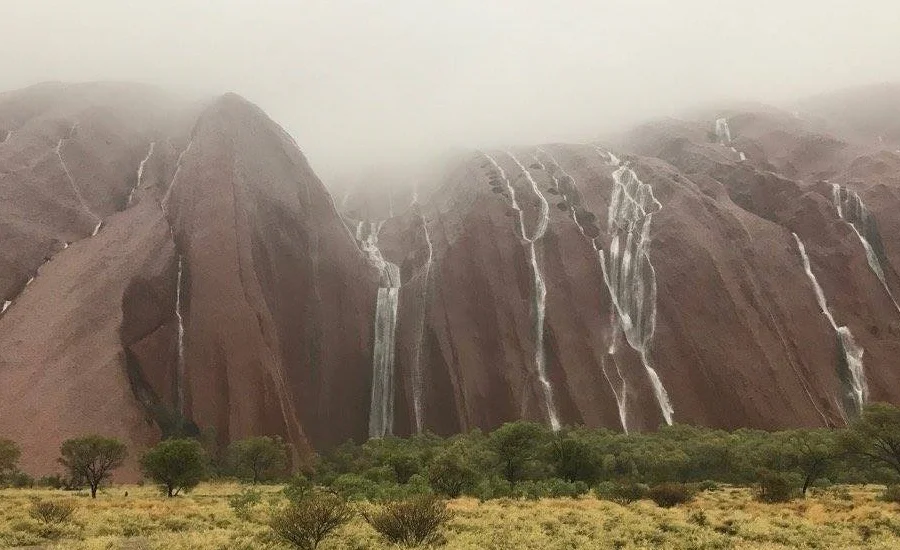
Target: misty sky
(362,83)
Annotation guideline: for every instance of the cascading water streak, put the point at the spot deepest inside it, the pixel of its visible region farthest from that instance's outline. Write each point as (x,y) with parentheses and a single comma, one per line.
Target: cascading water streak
(381,410)
(620,387)
(851,209)
(165,199)
(858,390)
(539,294)
(723,133)
(74,187)
(140,174)
(628,273)
(417,371)
(179,366)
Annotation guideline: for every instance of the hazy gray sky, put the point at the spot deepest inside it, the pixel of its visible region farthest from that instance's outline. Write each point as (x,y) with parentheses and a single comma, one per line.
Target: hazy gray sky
(362,82)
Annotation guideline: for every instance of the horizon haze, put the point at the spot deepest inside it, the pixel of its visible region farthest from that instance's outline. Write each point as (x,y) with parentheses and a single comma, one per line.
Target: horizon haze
(365,85)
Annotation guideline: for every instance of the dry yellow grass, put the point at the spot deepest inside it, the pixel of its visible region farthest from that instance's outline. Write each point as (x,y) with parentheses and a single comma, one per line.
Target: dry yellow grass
(728,518)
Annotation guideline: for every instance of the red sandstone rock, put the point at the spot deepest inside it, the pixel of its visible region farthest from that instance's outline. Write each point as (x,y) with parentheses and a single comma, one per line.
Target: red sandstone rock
(278,300)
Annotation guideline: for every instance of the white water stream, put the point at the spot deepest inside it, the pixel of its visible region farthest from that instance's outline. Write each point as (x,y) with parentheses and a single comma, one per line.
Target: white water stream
(627,271)
(619,387)
(539,295)
(723,134)
(853,211)
(140,174)
(417,372)
(853,354)
(72,184)
(179,367)
(165,200)
(381,411)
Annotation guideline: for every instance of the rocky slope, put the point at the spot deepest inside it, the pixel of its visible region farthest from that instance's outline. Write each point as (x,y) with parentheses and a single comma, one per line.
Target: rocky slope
(191,274)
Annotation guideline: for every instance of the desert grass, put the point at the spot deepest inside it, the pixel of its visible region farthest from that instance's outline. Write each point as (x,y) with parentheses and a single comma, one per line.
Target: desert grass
(727,518)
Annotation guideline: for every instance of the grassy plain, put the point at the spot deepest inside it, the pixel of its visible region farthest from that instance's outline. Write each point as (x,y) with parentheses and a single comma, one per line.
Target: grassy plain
(726,518)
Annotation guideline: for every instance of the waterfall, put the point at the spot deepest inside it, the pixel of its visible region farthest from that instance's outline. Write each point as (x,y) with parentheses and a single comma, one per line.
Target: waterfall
(381,411)
(165,200)
(853,211)
(620,390)
(179,367)
(417,374)
(539,296)
(620,387)
(853,353)
(628,273)
(71,180)
(723,133)
(140,173)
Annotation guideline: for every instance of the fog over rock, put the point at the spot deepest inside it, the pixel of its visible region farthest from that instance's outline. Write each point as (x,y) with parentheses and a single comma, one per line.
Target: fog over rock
(617,216)
(361,84)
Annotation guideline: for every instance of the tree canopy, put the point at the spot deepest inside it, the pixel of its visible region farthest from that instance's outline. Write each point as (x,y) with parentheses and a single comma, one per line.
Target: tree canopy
(92,459)
(176,465)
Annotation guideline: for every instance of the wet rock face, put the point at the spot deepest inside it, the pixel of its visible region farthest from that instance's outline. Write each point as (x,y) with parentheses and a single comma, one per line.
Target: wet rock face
(220,297)
(181,269)
(739,337)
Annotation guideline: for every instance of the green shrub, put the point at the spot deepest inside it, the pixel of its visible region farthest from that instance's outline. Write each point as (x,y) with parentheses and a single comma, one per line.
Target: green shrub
(52,512)
(356,487)
(707,485)
(176,465)
(667,495)
(774,487)
(55,481)
(411,522)
(258,459)
(891,494)
(621,493)
(19,480)
(417,485)
(381,474)
(405,465)
(698,517)
(242,503)
(492,487)
(297,488)
(307,522)
(451,475)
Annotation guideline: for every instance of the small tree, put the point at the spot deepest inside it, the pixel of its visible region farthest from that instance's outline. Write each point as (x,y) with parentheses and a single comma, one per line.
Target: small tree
(574,459)
(177,465)
(876,435)
(517,444)
(259,459)
(450,473)
(9,458)
(307,522)
(92,458)
(812,453)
